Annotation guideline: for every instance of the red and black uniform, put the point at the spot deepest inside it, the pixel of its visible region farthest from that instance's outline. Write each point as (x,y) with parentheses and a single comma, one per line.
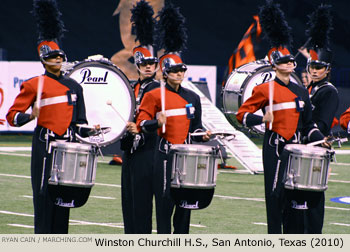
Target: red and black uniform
(345,120)
(292,120)
(178,126)
(62,107)
(137,171)
(324,99)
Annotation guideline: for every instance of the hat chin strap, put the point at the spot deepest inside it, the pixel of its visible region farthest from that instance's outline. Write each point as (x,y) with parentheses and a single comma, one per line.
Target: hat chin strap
(52,63)
(173,78)
(144,73)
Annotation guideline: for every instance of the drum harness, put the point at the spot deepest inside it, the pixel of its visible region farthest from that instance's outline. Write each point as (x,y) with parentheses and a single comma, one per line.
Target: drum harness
(138,137)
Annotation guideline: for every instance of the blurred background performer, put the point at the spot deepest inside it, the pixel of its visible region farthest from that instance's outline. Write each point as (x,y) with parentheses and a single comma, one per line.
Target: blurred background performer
(289,123)
(178,125)
(137,167)
(305,78)
(324,99)
(345,120)
(56,119)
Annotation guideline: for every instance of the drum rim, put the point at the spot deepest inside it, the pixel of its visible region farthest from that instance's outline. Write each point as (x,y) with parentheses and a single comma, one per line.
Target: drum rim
(69,145)
(182,148)
(309,150)
(110,66)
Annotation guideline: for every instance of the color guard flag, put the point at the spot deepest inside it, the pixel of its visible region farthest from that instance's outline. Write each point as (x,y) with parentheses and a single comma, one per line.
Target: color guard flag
(248,49)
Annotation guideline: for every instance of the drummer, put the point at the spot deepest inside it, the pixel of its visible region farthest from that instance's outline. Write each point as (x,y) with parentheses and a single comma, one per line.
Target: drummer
(289,123)
(55,120)
(173,126)
(324,99)
(137,167)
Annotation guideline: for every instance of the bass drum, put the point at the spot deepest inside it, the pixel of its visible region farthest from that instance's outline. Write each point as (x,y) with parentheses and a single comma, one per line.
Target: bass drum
(109,99)
(239,88)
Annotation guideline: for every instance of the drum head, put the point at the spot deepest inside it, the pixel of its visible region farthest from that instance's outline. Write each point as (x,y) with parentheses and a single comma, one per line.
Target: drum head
(307,150)
(68,196)
(193,148)
(109,99)
(239,87)
(193,199)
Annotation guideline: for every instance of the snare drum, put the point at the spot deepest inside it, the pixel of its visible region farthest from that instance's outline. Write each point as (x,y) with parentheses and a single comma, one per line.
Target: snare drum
(109,99)
(72,164)
(193,166)
(239,88)
(307,167)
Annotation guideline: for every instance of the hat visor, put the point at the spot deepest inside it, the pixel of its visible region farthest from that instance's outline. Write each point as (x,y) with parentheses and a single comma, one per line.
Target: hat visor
(285,59)
(177,68)
(54,53)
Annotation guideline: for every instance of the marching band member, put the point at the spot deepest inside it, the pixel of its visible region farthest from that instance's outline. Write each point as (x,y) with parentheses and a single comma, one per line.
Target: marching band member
(290,115)
(324,99)
(345,120)
(61,108)
(182,116)
(137,167)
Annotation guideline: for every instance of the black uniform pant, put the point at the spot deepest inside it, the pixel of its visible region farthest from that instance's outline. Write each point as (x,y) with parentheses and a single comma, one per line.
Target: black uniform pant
(274,192)
(137,191)
(48,217)
(164,203)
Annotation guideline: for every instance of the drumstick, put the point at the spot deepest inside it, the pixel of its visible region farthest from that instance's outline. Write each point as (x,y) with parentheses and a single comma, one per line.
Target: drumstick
(109,102)
(162,97)
(199,134)
(316,143)
(271,90)
(39,91)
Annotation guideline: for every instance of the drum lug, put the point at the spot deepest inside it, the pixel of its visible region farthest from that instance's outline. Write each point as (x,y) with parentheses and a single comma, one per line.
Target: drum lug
(53,180)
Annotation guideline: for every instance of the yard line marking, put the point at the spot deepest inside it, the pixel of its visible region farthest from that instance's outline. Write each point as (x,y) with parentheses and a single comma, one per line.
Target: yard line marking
(234,171)
(14,154)
(339,181)
(345,164)
(197,225)
(14,175)
(20,225)
(118,225)
(16,148)
(338,208)
(102,197)
(115,225)
(110,185)
(260,223)
(18,214)
(340,224)
(91,196)
(239,198)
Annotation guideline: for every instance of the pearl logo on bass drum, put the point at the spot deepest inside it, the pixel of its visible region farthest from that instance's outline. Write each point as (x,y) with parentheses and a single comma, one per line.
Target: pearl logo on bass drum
(88,77)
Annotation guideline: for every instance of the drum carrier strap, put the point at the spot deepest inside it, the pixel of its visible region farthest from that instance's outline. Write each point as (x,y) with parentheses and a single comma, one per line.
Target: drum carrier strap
(318,87)
(141,91)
